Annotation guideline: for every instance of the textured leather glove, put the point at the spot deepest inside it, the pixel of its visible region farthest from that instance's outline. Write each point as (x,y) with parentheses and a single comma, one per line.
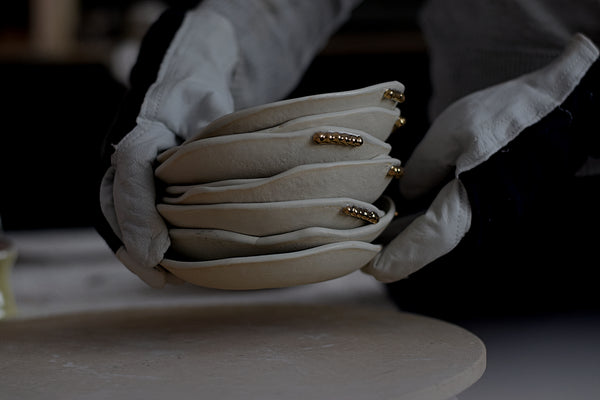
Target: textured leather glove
(490,155)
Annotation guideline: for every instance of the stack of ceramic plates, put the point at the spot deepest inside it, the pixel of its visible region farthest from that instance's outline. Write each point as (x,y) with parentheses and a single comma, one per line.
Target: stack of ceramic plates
(283,194)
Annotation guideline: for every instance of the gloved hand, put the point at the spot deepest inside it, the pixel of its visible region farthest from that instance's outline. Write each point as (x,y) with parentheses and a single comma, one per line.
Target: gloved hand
(493,153)
(195,66)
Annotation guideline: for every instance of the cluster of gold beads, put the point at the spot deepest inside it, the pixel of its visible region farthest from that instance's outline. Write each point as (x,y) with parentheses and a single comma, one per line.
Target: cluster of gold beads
(361,213)
(394,95)
(337,138)
(395,171)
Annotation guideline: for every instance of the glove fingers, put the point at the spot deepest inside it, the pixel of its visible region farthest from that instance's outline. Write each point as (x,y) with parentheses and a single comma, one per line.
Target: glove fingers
(132,204)
(435,156)
(476,126)
(153,277)
(427,238)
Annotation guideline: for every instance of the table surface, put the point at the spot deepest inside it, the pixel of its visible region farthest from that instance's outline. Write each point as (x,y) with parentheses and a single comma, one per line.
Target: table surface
(547,357)
(88,328)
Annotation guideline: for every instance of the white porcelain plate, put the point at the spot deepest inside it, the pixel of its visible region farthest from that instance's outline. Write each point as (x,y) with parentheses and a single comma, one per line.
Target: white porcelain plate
(264,154)
(379,122)
(313,265)
(273,114)
(363,180)
(210,244)
(265,219)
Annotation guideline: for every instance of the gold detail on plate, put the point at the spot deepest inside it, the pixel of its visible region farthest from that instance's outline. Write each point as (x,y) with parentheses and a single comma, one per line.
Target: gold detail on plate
(394,95)
(400,122)
(345,139)
(395,171)
(361,213)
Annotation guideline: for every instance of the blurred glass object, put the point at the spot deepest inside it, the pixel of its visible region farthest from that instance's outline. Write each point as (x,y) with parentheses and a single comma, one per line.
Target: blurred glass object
(8,256)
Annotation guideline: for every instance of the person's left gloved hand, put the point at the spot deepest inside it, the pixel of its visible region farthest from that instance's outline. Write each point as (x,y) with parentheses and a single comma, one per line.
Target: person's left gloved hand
(196,65)
(167,113)
(502,148)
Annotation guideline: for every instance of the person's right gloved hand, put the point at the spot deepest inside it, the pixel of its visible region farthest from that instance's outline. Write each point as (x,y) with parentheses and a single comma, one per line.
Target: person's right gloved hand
(493,156)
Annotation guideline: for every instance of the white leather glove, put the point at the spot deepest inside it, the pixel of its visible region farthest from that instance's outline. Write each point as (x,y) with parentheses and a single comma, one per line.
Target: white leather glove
(465,136)
(127,191)
(223,56)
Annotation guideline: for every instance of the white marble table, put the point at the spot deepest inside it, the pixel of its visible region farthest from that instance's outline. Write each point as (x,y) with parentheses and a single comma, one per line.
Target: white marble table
(88,329)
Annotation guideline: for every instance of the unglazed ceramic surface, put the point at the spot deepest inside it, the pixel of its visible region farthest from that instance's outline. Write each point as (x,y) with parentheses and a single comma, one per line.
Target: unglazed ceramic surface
(264,154)
(284,193)
(210,244)
(276,270)
(270,218)
(322,107)
(274,114)
(363,180)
